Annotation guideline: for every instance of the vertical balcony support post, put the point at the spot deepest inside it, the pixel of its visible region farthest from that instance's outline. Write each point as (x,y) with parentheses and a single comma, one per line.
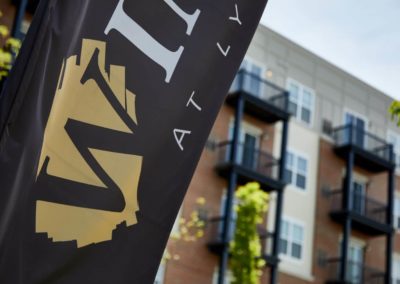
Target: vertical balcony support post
(279,202)
(230,194)
(19,17)
(347,204)
(389,220)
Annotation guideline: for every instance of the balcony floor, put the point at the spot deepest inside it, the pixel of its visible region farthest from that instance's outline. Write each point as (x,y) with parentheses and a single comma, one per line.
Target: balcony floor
(361,223)
(258,108)
(364,159)
(246,175)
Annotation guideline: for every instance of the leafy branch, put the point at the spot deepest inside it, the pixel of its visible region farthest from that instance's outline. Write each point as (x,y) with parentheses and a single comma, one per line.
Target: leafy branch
(245,249)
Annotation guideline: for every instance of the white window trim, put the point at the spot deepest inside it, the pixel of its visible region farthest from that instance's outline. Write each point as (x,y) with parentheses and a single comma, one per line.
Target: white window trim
(397,196)
(245,127)
(313,99)
(357,176)
(307,158)
(395,272)
(289,258)
(353,241)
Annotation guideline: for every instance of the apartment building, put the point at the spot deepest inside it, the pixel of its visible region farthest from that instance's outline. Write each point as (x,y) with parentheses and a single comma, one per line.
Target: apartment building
(336,207)
(320,142)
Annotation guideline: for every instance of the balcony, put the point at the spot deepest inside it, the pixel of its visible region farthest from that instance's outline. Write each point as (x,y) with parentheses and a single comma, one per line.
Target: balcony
(357,273)
(262,99)
(215,245)
(371,152)
(251,165)
(368,215)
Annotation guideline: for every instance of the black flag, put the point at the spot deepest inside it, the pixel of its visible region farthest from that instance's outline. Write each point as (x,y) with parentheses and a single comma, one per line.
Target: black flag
(102,124)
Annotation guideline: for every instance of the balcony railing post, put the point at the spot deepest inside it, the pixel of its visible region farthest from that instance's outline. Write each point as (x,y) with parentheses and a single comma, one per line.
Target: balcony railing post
(226,228)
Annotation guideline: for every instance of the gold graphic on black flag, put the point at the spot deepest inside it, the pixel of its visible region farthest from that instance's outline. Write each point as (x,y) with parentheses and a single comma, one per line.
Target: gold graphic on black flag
(104,104)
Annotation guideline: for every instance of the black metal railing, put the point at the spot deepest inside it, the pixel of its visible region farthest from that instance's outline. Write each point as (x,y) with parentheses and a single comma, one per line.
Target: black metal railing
(360,204)
(357,273)
(215,228)
(252,84)
(250,158)
(353,135)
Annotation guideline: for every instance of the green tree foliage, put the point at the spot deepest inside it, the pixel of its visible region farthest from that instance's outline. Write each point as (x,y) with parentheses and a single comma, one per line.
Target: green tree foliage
(245,249)
(8,51)
(394,110)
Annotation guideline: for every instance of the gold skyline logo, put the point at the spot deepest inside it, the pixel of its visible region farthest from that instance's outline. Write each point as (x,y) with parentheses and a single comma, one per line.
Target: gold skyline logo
(88,185)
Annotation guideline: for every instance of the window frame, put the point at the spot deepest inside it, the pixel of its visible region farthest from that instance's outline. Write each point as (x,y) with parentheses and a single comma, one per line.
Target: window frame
(396,213)
(395,271)
(357,115)
(245,128)
(296,171)
(300,101)
(291,240)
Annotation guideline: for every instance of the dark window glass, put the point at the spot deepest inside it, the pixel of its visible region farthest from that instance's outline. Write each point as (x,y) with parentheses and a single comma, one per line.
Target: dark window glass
(301,181)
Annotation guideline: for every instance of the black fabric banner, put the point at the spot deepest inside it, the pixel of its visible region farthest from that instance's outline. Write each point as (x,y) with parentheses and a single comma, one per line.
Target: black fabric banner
(102,124)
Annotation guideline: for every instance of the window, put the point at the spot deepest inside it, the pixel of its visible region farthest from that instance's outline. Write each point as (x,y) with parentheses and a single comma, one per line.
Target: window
(397,213)
(248,153)
(296,170)
(250,79)
(291,240)
(301,102)
(160,274)
(355,263)
(359,197)
(359,127)
(396,270)
(394,139)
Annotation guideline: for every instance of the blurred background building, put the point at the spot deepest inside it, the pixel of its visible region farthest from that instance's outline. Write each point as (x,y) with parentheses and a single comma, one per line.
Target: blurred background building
(340,200)
(322,143)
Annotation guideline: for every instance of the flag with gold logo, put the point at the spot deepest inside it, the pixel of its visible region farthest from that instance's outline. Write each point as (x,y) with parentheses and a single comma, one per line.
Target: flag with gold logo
(102,123)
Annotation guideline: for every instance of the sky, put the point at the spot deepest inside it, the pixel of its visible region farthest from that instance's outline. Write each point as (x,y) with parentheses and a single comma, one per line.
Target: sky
(360,36)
